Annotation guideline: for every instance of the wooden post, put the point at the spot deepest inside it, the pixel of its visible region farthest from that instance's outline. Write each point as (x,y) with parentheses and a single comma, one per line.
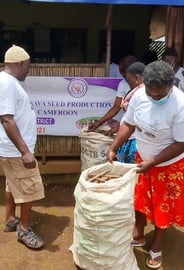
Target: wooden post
(175,30)
(109,34)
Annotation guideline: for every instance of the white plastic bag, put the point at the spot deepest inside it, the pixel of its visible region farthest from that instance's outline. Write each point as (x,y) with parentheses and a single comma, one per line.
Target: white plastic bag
(104,220)
(94,148)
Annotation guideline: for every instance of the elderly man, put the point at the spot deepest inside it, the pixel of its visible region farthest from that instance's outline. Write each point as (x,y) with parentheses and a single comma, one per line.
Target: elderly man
(17,142)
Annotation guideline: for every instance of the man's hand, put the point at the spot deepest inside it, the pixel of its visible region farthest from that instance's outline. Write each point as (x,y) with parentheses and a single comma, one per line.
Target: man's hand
(29,160)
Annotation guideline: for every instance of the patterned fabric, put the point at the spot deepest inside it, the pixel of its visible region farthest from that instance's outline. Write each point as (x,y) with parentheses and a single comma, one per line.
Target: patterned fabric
(126,99)
(126,152)
(159,194)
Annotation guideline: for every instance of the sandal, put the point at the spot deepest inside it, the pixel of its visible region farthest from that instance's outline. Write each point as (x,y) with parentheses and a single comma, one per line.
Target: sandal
(11,226)
(29,238)
(156,258)
(137,243)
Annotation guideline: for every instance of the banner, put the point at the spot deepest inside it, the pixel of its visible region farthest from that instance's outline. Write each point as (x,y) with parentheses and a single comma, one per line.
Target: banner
(65,105)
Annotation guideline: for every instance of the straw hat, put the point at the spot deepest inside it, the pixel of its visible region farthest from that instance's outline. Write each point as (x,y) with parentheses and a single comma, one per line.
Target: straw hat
(15,54)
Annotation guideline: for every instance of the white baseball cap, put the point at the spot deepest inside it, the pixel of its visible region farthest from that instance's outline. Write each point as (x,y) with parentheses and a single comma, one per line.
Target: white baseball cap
(15,54)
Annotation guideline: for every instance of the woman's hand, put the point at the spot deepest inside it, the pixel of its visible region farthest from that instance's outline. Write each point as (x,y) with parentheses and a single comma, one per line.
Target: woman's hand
(111,156)
(145,166)
(93,126)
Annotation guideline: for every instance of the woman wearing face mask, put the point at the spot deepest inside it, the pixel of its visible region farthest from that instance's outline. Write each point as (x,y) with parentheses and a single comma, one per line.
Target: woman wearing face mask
(156,114)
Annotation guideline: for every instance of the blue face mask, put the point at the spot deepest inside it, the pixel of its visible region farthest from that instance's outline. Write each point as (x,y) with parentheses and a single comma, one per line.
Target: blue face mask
(161,101)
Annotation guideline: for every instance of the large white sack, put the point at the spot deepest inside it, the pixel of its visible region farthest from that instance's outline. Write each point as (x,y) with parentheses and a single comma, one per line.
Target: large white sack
(94,148)
(104,220)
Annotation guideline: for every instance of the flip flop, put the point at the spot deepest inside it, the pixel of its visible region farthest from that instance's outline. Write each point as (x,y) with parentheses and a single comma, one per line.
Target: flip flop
(136,243)
(153,256)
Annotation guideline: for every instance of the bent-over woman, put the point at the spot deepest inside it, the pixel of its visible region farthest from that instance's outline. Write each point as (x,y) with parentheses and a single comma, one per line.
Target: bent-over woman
(156,114)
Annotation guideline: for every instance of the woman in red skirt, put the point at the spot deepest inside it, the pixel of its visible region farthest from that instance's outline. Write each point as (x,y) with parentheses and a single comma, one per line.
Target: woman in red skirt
(156,114)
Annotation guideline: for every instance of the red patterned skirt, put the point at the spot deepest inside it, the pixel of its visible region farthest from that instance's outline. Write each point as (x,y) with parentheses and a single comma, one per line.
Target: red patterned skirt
(159,194)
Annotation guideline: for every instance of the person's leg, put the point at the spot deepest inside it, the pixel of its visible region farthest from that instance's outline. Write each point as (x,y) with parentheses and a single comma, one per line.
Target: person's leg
(11,221)
(25,234)
(140,223)
(155,256)
(10,207)
(158,236)
(25,210)
(26,188)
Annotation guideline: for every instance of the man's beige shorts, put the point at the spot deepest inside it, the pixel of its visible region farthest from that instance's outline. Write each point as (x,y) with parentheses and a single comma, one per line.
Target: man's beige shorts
(24,184)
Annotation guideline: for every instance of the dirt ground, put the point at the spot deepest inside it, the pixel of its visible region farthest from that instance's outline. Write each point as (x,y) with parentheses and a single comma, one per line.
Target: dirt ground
(52,218)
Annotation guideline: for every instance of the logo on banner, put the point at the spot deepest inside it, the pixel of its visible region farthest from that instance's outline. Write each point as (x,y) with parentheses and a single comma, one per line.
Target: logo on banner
(77,88)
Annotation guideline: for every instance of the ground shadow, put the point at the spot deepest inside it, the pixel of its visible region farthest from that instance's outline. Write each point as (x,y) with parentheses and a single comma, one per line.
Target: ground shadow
(49,227)
(58,195)
(173,245)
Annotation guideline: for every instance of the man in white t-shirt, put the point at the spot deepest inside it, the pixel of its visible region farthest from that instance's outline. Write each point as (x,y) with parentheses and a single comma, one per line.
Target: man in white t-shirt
(113,67)
(114,70)
(17,141)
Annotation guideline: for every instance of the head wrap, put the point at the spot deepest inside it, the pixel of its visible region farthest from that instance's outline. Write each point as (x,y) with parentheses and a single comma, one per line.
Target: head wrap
(15,54)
